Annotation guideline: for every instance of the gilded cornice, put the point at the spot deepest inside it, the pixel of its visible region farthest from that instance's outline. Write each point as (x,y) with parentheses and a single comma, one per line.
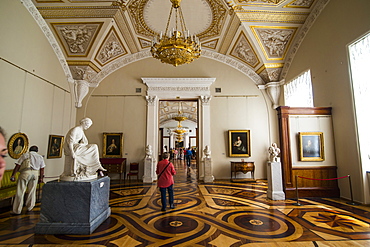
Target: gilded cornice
(136,11)
(319,6)
(231,31)
(275,2)
(83,63)
(78,12)
(122,24)
(272,16)
(218,18)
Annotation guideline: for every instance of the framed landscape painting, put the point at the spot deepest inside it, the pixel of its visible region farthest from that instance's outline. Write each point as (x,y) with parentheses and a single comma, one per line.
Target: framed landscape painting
(239,143)
(311,146)
(112,145)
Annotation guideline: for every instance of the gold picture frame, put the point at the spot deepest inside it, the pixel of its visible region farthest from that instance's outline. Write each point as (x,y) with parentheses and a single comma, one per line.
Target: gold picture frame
(239,143)
(112,145)
(311,146)
(55,146)
(17,145)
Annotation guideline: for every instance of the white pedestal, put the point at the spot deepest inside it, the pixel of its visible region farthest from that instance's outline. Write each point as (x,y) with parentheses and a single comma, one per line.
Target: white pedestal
(149,170)
(208,177)
(275,181)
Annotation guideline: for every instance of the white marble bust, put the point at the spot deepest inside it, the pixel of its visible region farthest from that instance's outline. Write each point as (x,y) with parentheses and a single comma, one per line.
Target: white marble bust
(274,152)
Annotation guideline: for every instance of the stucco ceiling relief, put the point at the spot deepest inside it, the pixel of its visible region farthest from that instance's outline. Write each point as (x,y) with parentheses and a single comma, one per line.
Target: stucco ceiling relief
(243,51)
(112,48)
(274,41)
(77,38)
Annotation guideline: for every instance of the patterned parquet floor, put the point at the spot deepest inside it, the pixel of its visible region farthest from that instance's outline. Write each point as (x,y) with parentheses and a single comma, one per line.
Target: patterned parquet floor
(216,215)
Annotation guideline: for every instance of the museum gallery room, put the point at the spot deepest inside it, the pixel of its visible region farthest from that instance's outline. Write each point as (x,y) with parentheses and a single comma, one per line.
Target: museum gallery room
(261,105)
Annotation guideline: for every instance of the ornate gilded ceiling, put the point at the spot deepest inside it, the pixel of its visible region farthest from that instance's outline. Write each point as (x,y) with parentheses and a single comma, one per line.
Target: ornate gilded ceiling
(261,35)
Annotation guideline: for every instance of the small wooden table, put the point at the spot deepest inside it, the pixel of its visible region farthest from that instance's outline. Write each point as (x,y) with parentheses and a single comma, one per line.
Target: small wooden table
(244,167)
(115,165)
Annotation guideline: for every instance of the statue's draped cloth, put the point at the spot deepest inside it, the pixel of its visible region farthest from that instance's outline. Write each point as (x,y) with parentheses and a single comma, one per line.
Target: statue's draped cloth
(86,162)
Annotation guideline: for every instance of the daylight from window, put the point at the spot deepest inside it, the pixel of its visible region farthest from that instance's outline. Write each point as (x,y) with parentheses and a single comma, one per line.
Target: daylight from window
(298,92)
(359,53)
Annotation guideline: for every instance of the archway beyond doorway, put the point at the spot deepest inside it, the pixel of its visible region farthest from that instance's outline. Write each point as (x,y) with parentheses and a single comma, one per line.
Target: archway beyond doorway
(179,89)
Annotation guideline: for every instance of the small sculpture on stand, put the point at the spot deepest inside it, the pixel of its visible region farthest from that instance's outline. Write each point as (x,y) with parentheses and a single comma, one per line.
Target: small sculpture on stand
(148,152)
(274,152)
(207,152)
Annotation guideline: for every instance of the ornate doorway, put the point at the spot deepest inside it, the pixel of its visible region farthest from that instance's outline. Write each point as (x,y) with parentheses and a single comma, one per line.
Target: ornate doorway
(197,89)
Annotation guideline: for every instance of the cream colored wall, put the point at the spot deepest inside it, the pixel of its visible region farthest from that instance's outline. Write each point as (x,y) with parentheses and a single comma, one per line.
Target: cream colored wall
(249,110)
(324,51)
(36,102)
(304,123)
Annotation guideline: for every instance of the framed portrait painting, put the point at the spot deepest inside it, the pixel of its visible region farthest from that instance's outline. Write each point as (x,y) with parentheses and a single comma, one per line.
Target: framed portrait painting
(239,143)
(311,146)
(112,145)
(17,145)
(55,146)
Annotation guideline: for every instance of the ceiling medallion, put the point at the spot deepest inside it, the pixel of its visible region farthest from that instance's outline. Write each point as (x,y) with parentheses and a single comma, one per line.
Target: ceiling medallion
(177,47)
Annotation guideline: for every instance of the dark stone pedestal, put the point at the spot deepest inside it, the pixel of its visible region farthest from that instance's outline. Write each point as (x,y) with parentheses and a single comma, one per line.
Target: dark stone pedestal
(73,207)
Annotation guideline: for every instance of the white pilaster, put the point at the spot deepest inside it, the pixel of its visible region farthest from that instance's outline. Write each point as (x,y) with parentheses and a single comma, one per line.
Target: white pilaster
(205,135)
(151,138)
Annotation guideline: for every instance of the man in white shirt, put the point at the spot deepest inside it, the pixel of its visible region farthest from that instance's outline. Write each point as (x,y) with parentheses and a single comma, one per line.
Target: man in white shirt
(30,165)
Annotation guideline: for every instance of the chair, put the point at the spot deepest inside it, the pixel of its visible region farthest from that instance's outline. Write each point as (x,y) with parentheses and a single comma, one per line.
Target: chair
(133,171)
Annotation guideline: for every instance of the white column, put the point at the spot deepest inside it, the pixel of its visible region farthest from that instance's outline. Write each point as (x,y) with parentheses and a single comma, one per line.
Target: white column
(186,140)
(151,138)
(205,136)
(172,140)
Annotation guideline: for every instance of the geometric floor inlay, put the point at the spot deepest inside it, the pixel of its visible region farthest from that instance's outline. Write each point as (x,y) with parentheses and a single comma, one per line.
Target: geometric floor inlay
(217,214)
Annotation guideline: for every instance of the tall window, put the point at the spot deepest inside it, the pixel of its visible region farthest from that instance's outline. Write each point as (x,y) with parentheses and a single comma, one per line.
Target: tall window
(298,92)
(359,53)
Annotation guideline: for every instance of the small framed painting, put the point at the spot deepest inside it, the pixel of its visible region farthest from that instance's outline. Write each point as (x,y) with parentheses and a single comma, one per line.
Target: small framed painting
(55,146)
(239,143)
(17,145)
(311,146)
(112,145)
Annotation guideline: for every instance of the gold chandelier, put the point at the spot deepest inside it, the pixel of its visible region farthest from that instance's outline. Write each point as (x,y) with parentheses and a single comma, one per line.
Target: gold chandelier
(176,47)
(179,118)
